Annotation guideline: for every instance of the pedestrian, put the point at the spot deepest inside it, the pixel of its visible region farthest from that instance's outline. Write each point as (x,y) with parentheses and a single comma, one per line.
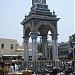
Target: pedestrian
(54,72)
(12,68)
(6,69)
(16,67)
(2,68)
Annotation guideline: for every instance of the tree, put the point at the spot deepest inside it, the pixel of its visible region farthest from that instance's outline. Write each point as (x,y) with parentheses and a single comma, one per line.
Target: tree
(72,44)
(72,40)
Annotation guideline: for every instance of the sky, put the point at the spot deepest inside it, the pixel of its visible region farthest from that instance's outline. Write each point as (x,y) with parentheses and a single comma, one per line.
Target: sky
(12,13)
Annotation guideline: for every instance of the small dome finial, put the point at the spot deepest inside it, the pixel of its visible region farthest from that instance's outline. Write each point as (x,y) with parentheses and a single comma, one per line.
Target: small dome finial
(53,12)
(25,16)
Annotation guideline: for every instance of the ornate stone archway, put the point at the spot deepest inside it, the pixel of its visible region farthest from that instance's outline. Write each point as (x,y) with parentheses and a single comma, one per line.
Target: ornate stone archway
(41,20)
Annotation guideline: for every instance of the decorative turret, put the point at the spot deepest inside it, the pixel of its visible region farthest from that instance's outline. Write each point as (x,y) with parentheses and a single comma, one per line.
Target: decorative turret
(54,14)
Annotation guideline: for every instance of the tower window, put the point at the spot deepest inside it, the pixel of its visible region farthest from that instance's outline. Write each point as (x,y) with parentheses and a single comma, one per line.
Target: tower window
(2,46)
(11,46)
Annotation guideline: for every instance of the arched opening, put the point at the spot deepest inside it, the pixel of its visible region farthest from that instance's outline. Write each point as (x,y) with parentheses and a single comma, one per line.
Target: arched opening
(11,46)
(48,35)
(2,45)
(27,31)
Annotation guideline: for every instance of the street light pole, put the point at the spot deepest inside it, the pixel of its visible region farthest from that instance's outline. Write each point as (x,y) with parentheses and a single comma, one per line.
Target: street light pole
(73,46)
(73,51)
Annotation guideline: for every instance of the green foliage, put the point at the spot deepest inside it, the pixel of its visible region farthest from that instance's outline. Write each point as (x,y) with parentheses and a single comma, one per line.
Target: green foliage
(72,39)
(72,43)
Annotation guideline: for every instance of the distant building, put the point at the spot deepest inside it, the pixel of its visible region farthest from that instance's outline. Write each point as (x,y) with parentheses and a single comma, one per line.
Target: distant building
(8,48)
(64,49)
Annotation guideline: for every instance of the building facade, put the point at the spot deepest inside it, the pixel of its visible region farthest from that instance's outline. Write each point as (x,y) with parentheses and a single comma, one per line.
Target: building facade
(64,49)
(9,48)
(8,45)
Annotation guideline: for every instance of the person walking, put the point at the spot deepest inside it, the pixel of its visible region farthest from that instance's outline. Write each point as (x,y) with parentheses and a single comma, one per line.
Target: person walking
(12,68)
(54,72)
(2,68)
(16,67)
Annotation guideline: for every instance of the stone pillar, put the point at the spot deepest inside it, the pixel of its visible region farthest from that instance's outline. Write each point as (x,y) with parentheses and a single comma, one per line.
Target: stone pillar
(55,46)
(26,39)
(34,45)
(44,46)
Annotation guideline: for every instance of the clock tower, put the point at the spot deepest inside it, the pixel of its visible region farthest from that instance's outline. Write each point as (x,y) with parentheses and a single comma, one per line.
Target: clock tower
(37,23)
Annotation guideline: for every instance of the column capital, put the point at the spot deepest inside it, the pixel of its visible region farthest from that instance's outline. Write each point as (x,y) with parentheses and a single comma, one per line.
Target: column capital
(34,35)
(44,39)
(54,36)
(26,38)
